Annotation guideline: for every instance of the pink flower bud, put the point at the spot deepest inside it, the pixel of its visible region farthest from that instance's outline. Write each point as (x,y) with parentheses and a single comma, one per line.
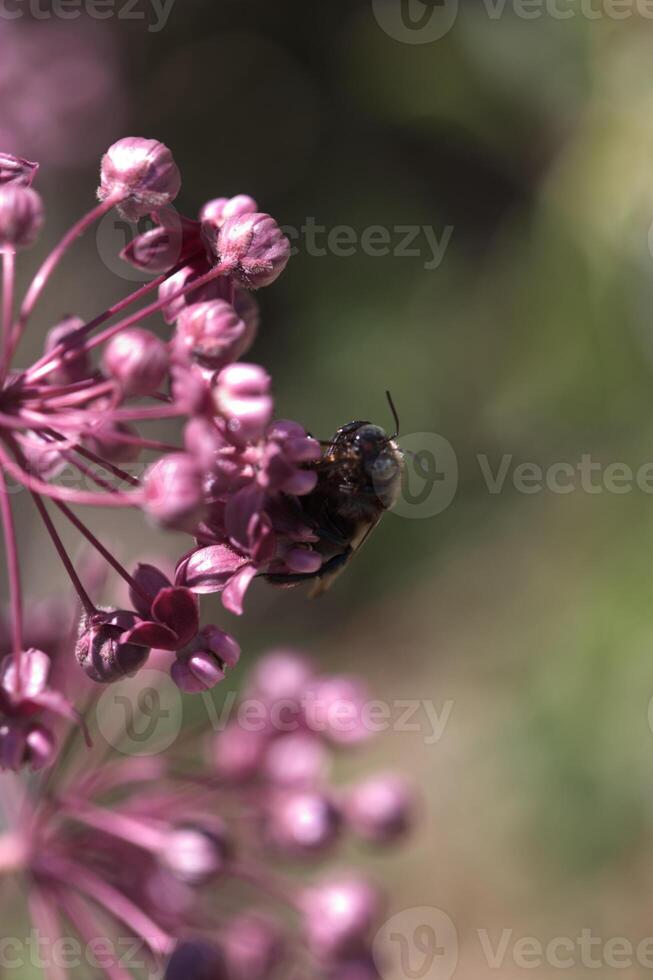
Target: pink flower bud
(100,652)
(204,441)
(236,752)
(106,442)
(212,333)
(335,708)
(40,748)
(253,246)
(297,759)
(199,672)
(242,397)
(14,170)
(253,947)
(196,853)
(74,364)
(217,211)
(281,676)
(21,216)
(141,174)
(25,744)
(339,914)
(380,809)
(137,360)
(302,822)
(173,492)
(174,240)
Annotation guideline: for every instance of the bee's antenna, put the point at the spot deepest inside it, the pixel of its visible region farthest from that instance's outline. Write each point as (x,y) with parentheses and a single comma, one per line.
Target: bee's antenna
(394,414)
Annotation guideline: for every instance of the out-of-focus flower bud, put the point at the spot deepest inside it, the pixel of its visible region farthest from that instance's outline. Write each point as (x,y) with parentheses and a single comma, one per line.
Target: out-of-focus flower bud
(212,333)
(174,240)
(196,960)
(173,492)
(217,211)
(281,676)
(137,360)
(302,822)
(196,853)
(14,170)
(380,809)
(237,751)
(252,247)
(242,397)
(204,441)
(335,708)
(25,744)
(298,760)
(339,914)
(106,441)
(141,174)
(73,363)
(40,747)
(21,216)
(253,947)
(100,652)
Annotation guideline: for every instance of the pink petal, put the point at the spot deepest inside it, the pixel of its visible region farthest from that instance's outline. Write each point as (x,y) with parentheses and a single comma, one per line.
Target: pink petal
(177,608)
(151,635)
(234,593)
(210,569)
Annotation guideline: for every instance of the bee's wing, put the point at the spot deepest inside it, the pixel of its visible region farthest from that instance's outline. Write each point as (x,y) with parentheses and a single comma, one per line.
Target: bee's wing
(324,583)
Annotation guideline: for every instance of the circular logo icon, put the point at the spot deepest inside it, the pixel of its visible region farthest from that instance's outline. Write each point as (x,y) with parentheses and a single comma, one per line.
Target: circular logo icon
(417,944)
(141,715)
(416,21)
(430,476)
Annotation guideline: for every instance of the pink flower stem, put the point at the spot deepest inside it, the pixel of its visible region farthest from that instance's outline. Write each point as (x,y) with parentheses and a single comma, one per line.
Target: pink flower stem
(78,397)
(13,574)
(44,916)
(54,492)
(99,547)
(8,284)
(90,929)
(134,832)
(54,258)
(40,370)
(63,554)
(93,458)
(81,332)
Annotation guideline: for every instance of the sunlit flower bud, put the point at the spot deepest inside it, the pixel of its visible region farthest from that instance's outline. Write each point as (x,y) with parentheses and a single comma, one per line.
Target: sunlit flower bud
(339,914)
(137,360)
(40,747)
(253,246)
(198,672)
(173,492)
(100,652)
(217,211)
(212,333)
(252,946)
(21,216)
(14,170)
(302,822)
(158,249)
(195,854)
(242,397)
(141,174)
(237,751)
(380,809)
(196,960)
(335,708)
(73,363)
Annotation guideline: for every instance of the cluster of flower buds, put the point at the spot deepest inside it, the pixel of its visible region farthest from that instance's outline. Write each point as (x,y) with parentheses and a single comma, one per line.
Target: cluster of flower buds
(234,479)
(137,841)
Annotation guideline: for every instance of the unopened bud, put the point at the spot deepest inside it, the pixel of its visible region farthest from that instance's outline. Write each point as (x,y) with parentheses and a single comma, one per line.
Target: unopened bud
(137,360)
(21,216)
(141,174)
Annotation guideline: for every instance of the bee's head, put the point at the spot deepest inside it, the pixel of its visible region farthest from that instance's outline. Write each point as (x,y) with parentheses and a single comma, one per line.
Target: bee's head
(379,457)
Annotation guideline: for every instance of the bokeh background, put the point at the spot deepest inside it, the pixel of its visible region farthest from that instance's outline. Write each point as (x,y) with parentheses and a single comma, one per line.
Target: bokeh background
(528,617)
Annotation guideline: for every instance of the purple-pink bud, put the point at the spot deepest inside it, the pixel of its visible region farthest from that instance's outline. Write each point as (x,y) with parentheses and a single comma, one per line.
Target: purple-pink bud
(196,853)
(198,672)
(298,759)
(100,652)
(252,247)
(212,333)
(173,492)
(14,170)
(137,360)
(73,363)
(25,744)
(253,947)
(335,708)
(302,822)
(21,216)
(140,174)
(380,808)
(242,397)
(204,441)
(339,914)
(281,676)
(237,752)
(217,211)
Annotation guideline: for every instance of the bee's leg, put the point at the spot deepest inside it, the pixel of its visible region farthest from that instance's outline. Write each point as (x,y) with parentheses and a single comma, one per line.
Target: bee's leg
(329,566)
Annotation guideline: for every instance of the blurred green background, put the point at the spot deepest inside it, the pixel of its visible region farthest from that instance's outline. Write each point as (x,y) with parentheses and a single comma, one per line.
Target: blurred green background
(529,613)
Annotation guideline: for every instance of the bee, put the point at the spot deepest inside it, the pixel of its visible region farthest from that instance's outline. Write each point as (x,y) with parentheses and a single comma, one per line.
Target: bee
(359,477)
